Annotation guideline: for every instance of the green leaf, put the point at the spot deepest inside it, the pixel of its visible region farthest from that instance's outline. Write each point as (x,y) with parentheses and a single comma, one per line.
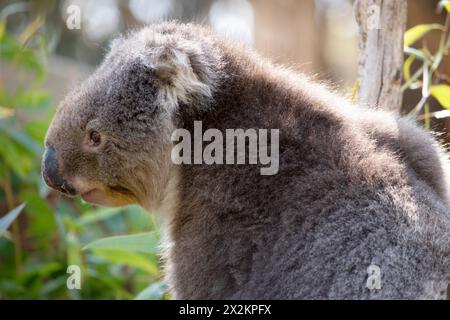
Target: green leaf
(141,242)
(2,28)
(407,67)
(37,130)
(41,220)
(15,156)
(417,32)
(137,260)
(21,138)
(9,218)
(139,220)
(442,94)
(11,50)
(53,285)
(92,216)
(41,269)
(155,291)
(114,283)
(33,99)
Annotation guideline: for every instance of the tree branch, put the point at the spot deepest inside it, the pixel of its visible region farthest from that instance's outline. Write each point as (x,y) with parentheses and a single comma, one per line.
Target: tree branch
(382,25)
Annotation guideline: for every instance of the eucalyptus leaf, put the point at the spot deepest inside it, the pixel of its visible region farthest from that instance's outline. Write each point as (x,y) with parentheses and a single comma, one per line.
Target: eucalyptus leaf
(442,94)
(22,138)
(17,159)
(407,67)
(9,218)
(153,292)
(144,262)
(140,242)
(417,32)
(92,216)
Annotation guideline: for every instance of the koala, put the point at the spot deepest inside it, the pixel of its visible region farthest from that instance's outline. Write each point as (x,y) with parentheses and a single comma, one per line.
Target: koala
(359,208)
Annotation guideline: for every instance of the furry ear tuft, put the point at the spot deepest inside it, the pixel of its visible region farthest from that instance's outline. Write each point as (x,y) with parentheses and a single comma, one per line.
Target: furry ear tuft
(115,43)
(180,82)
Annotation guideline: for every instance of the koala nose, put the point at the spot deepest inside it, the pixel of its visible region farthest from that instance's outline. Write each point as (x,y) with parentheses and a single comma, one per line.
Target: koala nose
(51,175)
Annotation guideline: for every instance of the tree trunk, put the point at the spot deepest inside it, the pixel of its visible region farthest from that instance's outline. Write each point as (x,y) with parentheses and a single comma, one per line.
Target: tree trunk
(382,24)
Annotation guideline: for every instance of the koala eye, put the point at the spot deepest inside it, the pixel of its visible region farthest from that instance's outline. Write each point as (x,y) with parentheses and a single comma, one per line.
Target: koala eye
(95,138)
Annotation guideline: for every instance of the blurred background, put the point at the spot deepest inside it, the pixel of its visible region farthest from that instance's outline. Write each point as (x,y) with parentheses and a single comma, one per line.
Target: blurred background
(47,47)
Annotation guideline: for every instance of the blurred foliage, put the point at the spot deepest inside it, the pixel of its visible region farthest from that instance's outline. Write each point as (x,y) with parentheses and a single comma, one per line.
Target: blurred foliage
(428,76)
(52,232)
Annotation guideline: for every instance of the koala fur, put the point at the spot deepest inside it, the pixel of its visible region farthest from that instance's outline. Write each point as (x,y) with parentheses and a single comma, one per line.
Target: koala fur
(355,187)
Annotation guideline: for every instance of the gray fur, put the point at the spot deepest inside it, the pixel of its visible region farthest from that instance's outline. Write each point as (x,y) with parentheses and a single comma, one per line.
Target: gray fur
(355,187)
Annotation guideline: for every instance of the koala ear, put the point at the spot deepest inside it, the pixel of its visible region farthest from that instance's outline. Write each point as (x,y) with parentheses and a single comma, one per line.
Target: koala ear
(115,43)
(180,76)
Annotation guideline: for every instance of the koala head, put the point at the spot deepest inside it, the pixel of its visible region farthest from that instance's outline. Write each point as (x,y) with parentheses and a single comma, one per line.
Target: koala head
(110,138)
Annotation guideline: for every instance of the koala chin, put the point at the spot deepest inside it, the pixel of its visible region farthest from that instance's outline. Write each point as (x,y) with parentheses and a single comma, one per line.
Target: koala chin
(356,190)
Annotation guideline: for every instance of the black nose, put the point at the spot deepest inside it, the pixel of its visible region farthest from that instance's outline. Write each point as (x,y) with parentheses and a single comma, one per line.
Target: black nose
(51,174)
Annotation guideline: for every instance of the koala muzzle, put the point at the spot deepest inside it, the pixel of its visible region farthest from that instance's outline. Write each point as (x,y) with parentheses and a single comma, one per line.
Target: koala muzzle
(51,174)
